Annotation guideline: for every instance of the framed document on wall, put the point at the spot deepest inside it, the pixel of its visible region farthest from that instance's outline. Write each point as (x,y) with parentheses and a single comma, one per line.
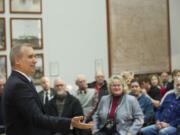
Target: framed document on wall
(27,30)
(138,36)
(26,6)
(3,66)
(1,6)
(39,71)
(2,34)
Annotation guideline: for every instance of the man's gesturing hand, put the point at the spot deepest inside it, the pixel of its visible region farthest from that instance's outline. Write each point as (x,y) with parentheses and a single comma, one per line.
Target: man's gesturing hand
(76,122)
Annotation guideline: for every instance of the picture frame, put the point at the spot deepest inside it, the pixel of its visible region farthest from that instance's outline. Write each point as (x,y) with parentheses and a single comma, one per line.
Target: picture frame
(39,71)
(54,68)
(27,30)
(138,36)
(26,6)
(2,6)
(2,34)
(3,66)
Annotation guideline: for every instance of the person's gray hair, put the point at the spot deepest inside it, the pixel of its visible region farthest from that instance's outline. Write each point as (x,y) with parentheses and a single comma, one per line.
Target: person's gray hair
(58,79)
(16,52)
(2,77)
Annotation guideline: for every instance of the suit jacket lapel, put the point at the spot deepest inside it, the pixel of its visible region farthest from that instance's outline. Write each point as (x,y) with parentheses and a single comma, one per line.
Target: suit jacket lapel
(23,78)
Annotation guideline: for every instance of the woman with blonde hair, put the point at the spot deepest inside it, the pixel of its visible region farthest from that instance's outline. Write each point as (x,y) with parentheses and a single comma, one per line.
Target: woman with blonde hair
(118,113)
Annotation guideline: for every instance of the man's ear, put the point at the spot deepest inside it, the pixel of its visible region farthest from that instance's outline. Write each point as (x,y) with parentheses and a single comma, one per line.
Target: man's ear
(17,61)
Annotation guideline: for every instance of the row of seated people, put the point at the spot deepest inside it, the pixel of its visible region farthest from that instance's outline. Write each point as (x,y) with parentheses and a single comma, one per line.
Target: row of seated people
(116,114)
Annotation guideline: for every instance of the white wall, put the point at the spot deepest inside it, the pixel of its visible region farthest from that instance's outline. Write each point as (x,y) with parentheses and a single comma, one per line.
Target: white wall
(175,32)
(75,34)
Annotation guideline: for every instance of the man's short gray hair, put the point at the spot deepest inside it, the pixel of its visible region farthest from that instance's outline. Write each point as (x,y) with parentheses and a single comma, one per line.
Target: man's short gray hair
(2,77)
(16,52)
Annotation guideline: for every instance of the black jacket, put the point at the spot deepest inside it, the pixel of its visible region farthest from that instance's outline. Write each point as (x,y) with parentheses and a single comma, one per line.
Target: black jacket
(72,107)
(24,112)
(103,90)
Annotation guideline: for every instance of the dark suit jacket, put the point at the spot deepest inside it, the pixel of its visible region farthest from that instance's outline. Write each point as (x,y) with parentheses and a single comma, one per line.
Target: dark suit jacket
(24,112)
(41,94)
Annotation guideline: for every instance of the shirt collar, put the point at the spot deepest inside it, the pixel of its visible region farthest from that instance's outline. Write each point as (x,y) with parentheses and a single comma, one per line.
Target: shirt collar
(81,91)
(48,91)
(27,77)
(177,93)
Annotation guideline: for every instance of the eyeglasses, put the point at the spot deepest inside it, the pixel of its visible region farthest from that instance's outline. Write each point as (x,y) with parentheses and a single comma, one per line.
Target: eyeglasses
(116,85)
(59,85)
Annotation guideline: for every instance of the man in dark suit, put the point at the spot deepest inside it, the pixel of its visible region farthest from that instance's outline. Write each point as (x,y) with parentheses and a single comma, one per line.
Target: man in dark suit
(2,81)
(22,107)
(47,93)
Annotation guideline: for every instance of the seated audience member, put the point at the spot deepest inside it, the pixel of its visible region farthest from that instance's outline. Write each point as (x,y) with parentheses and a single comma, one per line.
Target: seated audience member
(155,82)
(87,97)
(168,114)
(63,104)
(164,82)
(144,102)
(127,77)
(100,84)
(47,92)
(150,91)
(164,79)
(2,127)
(175,73)
(118,113)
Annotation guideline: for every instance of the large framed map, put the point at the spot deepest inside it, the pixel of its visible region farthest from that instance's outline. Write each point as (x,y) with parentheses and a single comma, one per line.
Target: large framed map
(138,36)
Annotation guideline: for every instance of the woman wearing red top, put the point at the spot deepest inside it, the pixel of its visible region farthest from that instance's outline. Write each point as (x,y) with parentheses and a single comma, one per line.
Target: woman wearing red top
(117,113)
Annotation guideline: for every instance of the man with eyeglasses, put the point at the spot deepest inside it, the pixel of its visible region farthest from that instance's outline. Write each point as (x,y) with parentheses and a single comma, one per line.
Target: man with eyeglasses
(64,105)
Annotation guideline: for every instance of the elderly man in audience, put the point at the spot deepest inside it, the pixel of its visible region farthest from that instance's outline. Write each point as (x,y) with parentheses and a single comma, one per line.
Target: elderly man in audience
(144,102)
(63,104)
(2,82)
(168,115)
(118,113)
(88,97)
(100,84)
(47,93)
(150,91)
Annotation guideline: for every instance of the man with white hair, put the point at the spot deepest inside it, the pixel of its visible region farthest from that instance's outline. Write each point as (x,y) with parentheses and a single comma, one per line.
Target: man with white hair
(64,104)
(168,114)
(100,84)
(87,96)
